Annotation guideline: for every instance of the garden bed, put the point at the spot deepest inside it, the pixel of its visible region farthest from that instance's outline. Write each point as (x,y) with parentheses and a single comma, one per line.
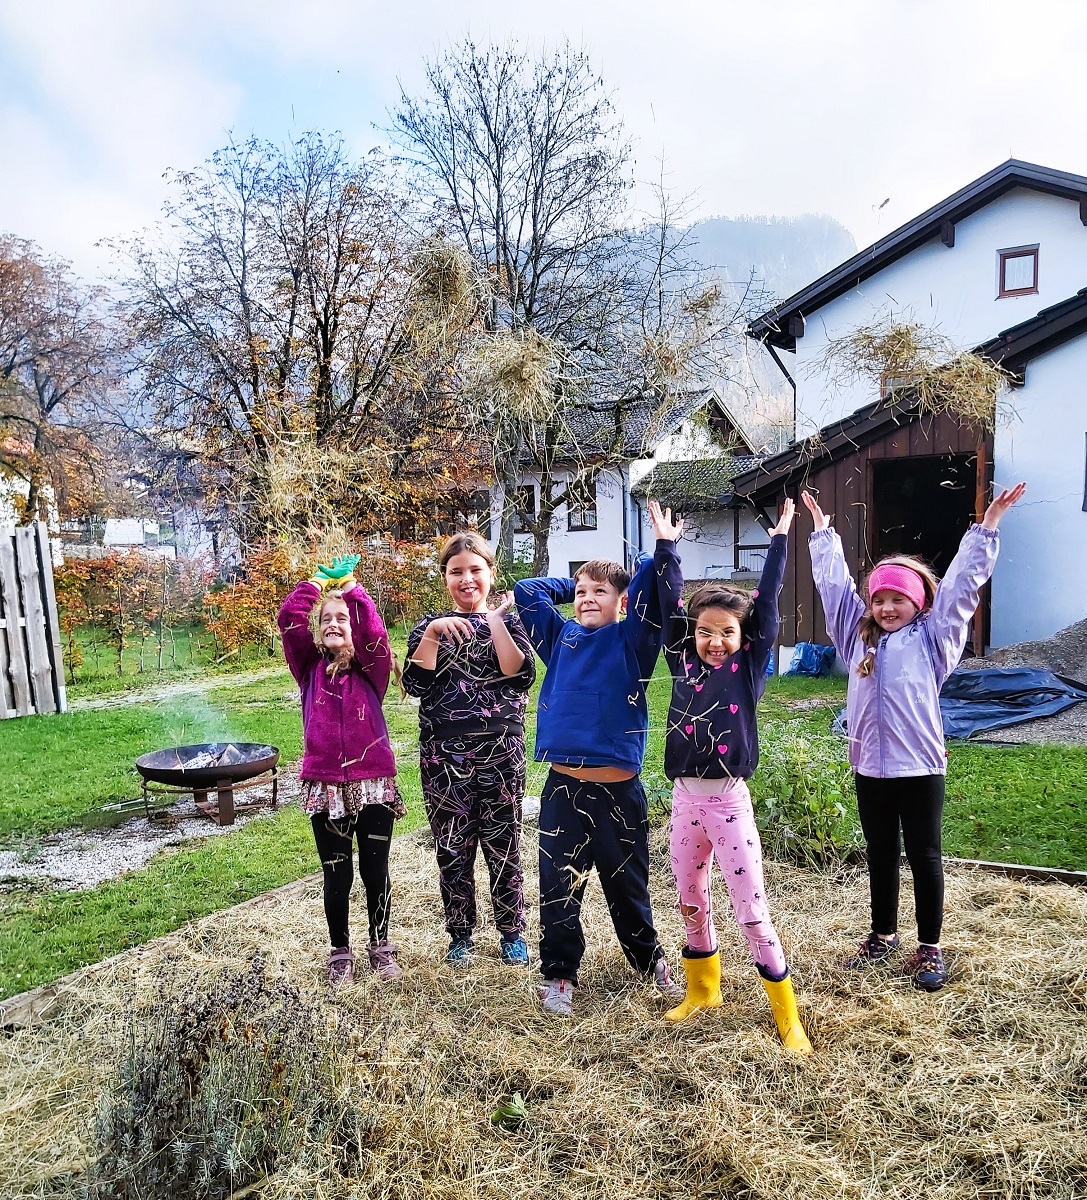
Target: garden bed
(977,1090)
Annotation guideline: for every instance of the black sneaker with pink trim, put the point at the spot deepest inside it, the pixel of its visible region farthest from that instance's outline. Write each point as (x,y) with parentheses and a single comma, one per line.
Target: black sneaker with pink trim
(872,950)
(927,967)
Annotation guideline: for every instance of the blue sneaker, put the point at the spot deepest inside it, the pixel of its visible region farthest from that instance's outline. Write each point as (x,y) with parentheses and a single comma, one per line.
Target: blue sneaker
(514,952)
(459,952)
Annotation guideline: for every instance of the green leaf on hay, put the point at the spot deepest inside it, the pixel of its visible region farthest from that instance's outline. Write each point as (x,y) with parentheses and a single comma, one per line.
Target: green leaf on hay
(511,1113)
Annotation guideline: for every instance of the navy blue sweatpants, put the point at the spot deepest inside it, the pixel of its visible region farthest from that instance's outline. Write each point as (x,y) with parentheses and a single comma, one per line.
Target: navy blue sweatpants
(586,825)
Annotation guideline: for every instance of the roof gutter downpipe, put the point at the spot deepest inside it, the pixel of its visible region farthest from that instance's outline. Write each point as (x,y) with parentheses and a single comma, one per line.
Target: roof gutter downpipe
(785,371)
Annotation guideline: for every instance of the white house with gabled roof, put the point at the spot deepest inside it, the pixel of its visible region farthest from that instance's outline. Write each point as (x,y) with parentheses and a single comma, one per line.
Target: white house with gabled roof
(1000,267)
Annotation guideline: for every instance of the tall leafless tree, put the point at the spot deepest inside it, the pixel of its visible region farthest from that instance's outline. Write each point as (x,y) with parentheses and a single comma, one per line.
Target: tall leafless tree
(530,158)
(269,325)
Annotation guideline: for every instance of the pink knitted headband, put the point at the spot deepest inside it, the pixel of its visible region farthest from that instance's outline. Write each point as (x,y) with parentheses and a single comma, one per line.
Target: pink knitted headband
(890,577)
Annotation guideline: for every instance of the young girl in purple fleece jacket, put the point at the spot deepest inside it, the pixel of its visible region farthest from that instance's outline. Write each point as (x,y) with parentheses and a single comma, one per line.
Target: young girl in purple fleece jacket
(335,644)
(899,648)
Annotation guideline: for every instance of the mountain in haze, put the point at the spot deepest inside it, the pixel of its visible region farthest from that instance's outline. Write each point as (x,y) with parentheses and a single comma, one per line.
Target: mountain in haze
(783,253)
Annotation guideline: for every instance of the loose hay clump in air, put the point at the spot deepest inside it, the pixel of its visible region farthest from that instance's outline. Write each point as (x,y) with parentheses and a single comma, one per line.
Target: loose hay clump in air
(309,488)
(516,374)
(977,1091)
(913,362)
(446,292)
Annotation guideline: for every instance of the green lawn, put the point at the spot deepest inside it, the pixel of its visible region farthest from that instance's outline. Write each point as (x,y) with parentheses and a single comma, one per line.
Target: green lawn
(1020,803)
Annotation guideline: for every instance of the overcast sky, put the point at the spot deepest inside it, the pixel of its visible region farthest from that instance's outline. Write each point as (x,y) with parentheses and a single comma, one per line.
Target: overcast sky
(756,107)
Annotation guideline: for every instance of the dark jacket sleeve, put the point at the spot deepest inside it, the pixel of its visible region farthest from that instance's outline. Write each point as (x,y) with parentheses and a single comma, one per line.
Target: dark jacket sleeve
(299,648)
(536,600)
(370,639)
(677,625)
(417,680)
(656,581)
(765,619)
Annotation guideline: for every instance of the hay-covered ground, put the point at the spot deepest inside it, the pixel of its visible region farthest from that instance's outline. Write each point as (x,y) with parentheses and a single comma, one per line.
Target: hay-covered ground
(978,1091)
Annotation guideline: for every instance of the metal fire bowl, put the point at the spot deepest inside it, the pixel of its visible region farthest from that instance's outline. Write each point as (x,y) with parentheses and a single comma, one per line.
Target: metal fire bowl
(168,766)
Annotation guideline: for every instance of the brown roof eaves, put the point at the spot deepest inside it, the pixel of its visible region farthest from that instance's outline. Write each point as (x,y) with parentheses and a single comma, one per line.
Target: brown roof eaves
(829,445)
(1014,347)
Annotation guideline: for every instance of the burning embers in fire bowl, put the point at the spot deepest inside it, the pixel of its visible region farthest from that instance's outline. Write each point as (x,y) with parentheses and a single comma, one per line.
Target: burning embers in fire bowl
(213,772)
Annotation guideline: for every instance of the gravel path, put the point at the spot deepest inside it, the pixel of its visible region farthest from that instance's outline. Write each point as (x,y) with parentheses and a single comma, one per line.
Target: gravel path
(166,691)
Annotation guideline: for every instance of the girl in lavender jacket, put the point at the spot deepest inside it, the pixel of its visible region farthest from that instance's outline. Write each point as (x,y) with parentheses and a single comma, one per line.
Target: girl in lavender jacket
(899,648)
(338,651)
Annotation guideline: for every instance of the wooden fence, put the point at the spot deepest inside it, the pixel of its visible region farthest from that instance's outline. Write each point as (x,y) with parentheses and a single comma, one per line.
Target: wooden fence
(31,668)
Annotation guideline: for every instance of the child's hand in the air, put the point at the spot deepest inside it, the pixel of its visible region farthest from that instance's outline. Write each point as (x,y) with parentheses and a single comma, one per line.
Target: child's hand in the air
(1001,504)
(820,518)
(663,525)
(343,567)
(788,511)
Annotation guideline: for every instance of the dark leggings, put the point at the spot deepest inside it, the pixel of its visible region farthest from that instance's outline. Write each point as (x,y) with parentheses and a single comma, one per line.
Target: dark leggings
(916,806)
(373,827)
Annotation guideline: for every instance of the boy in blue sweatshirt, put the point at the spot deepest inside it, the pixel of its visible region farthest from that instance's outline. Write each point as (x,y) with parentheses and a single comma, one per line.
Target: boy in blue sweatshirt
(591,727)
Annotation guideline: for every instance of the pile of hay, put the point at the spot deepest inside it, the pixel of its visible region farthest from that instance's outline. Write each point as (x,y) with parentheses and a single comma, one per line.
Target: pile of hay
(905,359)
(980,1090)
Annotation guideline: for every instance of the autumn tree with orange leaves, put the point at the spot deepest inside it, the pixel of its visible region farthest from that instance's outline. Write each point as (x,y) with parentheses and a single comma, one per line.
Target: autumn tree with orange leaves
(57,366)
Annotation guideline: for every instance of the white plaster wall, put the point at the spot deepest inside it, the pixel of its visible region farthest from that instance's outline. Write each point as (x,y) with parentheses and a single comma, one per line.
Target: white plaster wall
(565,545)
(1040,581)
(706,546)
(953,289)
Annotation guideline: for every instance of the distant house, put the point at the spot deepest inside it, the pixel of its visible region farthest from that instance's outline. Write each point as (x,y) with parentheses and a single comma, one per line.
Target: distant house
(610,519)
(1000,267)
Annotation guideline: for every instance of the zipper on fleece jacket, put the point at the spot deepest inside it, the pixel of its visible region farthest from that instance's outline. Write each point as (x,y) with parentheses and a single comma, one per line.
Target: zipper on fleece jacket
(879,704)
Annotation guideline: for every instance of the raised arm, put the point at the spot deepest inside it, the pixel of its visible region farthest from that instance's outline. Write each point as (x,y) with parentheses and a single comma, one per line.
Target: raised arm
(369,637)
(299,648)
(536,603)
(841,602)
(765,620)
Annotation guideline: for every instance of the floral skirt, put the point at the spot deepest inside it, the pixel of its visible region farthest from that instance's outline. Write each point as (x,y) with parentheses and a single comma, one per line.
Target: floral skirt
(350,798)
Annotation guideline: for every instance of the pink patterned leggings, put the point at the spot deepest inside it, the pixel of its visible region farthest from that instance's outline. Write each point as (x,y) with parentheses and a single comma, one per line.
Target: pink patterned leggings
(722,824)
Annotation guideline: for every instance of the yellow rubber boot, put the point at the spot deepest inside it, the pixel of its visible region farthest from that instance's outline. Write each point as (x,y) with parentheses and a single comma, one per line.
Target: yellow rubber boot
(783,1004)
(703,987)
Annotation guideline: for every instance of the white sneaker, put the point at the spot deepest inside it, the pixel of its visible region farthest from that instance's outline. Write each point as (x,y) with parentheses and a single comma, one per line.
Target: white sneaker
(557,997)
(668,987)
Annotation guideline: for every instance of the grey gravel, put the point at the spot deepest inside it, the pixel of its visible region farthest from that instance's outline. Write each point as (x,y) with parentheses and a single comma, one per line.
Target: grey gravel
(77,859)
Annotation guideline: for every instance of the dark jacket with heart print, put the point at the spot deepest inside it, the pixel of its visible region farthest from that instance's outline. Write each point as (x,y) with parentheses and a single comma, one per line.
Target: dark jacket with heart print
(711,721)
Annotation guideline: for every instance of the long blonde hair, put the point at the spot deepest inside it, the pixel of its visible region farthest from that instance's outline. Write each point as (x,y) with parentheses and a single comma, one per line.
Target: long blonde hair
(868,627)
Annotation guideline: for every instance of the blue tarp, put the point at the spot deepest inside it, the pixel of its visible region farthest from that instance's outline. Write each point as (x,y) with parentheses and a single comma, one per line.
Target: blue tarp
(975,701)
(811,659)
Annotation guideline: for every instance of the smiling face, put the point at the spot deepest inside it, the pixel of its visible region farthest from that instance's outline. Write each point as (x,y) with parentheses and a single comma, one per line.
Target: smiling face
(717,635)
(892,610)
(335,625)
(468,578)
(597,603)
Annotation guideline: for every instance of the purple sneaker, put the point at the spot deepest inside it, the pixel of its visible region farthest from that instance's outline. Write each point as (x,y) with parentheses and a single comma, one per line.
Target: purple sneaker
(872,950)
(383,960)
(341,966)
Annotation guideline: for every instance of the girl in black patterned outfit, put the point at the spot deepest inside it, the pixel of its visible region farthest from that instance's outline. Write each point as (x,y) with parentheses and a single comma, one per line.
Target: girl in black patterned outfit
(471,669)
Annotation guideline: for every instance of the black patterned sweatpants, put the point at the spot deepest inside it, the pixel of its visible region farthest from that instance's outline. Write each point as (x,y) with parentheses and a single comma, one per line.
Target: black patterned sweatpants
(472,789)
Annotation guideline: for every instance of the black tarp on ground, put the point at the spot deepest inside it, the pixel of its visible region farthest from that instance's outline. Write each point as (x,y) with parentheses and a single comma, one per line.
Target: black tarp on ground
(974,701)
